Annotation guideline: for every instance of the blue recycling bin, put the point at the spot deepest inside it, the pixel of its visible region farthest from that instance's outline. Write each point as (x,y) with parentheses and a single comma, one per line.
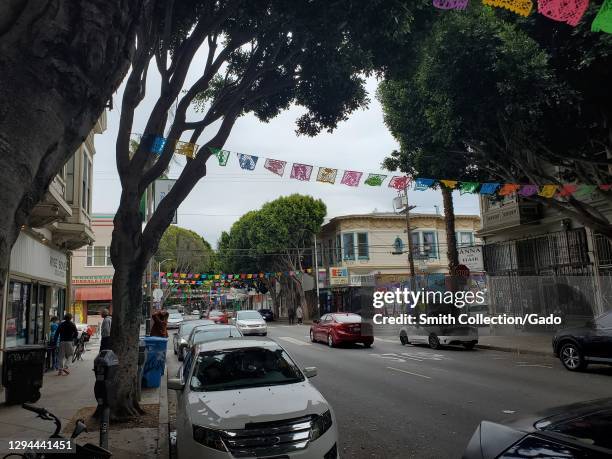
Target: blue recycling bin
(155,362)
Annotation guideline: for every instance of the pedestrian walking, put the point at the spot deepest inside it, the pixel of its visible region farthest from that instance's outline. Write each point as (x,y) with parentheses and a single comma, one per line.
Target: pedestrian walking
(53,342)
(299,314)
(65,335)
(105,329)
(160,323)
(291,316)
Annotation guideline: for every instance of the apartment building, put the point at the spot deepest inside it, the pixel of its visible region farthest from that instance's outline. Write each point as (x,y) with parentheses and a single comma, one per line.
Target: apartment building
(39,283)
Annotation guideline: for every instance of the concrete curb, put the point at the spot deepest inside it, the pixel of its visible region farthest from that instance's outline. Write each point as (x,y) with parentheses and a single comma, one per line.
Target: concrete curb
(163,434)
(515,350)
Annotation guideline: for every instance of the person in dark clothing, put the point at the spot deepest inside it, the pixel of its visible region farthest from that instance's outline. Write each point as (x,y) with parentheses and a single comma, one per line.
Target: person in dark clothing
(105,329)
(291,316)
(65,335)
(160,323)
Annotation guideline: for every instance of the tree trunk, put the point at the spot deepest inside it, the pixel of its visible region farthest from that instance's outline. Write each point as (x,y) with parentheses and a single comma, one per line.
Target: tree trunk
(130,260)
(61,61)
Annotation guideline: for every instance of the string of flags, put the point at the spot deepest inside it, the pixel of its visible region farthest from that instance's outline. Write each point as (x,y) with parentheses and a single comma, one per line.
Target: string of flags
(179,278)
(568,11)
(506,189)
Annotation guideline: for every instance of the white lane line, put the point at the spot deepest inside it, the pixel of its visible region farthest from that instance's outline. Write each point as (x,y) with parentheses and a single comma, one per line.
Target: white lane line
(410,373)
(299,342)
(534,365)
(385,340)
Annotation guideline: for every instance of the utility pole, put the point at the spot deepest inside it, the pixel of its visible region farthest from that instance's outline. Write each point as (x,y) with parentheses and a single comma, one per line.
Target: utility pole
(316,260)
(409,235)
(149,275)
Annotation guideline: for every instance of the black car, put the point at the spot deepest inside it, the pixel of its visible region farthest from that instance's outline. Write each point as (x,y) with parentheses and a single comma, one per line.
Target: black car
(580,430)
(577,347)
(267,314)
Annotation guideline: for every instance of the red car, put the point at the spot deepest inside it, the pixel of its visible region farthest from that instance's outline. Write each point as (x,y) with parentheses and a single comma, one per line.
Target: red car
(219,317)
(340,328)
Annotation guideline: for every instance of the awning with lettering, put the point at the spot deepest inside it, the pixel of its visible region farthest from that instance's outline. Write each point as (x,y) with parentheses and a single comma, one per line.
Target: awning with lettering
(93,293)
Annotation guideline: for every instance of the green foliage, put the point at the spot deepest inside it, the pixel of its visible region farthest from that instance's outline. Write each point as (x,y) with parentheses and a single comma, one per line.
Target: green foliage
(185,250)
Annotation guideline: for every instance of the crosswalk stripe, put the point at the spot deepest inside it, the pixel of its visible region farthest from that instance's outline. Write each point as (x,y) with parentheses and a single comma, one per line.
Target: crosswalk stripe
(294,341)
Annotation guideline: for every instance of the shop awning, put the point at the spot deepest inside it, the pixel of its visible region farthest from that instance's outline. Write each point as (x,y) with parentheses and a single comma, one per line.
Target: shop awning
(93,293)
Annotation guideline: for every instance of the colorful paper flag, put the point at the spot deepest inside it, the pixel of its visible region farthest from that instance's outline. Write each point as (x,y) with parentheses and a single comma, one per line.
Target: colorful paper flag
(301,172)
(157,147)
(275,166)
(567,190)
(451,4)
(399,182)
(508,189)
(351,178)
(528,190)
(585,190)
(468,187)
(185,148)
(548,191)
(603,20)
(422,184)
(247,162)
(568,11)
(605,187)
(375,179)
(489,188)
(222,155)
(327,175)
(521,7)
(451,184)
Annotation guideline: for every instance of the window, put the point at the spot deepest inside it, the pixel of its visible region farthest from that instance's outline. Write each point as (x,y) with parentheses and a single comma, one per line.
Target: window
(348,246)
(363,251)
(338,252)
(86,192)
(424,244)
(464,238)
(70,180)
(98,255)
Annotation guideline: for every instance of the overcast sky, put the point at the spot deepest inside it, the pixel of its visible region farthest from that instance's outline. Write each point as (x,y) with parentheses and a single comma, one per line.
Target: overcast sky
(218,200)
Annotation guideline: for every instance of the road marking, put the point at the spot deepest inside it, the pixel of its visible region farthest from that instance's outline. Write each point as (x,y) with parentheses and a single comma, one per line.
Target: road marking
(299,342)
(533,365)
(410,373)
(385,340)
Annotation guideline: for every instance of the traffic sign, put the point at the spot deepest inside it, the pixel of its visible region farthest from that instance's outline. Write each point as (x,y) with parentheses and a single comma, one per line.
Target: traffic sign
(462,270)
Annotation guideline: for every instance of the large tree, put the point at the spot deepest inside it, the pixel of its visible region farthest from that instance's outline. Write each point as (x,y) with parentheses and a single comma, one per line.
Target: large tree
(60,62)
(260,57)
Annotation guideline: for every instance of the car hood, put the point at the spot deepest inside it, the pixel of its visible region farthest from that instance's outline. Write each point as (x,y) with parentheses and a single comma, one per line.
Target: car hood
(232,409)
(250,322)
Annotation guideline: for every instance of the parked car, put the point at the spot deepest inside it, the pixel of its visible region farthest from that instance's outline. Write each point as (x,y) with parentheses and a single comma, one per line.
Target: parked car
(580,430)
(267,314)
(174,319)
(224,407)
(250,323)
(195,312)
(341,328)
(219,317)
(182,335)
(577,347)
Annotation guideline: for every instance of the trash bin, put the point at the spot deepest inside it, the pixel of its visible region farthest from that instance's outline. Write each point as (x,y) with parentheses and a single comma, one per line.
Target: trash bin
(155,361)
(22,372)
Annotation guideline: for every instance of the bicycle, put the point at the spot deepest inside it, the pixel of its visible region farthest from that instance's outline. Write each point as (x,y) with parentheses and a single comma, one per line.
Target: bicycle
(86,451)
(79,347)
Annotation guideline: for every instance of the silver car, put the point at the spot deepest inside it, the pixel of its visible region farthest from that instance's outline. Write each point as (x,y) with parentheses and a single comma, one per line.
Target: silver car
(250,323)
(181,337)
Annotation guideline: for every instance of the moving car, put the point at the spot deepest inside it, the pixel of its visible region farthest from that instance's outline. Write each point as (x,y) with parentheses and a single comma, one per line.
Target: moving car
(219,317)
(341,328)
(195,312)
(174,319)
(580,430)
(267,314)
(250,323)
(182,335)
(577,347)
(225,408)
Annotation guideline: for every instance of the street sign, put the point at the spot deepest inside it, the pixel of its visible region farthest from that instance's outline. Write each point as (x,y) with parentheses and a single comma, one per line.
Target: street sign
(471,257)
(158,294)
(462,270)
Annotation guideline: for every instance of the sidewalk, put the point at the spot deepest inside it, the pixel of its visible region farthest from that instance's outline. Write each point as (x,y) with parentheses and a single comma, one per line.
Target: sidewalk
(64,396)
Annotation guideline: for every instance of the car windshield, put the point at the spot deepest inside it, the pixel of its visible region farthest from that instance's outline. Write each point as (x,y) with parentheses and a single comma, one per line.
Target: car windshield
(186,327)
(243,368)
(248,315)
(215,313)
(175,316)
(347,318)
(203,336)
(592,429)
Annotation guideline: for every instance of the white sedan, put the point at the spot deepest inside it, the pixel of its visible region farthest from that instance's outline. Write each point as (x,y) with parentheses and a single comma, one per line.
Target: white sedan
(250,323)
(248,398)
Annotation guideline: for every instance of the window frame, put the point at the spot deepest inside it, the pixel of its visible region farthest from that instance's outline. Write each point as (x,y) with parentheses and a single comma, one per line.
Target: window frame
(364,245)
(346,253)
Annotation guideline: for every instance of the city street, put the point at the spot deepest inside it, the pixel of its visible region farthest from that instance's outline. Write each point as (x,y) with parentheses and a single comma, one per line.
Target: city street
(394,401)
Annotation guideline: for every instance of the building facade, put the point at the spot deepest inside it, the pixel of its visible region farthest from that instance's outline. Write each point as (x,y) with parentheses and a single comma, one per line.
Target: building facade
(38,284)
(357,253)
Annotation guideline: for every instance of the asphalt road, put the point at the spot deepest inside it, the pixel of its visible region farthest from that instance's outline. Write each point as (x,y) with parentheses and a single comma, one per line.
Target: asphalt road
(395,401)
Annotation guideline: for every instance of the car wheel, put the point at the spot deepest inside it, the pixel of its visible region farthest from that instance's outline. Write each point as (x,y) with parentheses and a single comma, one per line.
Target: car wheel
(403,339)
(181,355)
(367,345)
(572,358)
(175,353)
(312,337)
(434,342)
(330,340)
(264,334)
(469,346)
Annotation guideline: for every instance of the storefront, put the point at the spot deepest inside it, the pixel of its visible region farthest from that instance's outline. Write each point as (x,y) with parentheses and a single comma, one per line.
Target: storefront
(36,291)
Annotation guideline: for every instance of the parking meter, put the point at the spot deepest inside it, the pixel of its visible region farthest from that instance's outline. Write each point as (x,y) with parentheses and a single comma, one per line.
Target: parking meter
(105,368)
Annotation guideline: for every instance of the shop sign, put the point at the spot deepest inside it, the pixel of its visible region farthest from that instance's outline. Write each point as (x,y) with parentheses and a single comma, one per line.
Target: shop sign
(338,276)
(472,258)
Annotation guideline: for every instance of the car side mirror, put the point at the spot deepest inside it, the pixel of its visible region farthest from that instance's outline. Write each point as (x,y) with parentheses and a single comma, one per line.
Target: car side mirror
(175,384)
(315,321)
(310,372)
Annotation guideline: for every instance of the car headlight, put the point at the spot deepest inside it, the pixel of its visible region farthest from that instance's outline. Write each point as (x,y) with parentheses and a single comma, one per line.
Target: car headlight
(320,425)
(208,437)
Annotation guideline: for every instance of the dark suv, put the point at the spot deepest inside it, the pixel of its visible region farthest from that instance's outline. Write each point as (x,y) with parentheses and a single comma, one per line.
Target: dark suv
(577,347)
